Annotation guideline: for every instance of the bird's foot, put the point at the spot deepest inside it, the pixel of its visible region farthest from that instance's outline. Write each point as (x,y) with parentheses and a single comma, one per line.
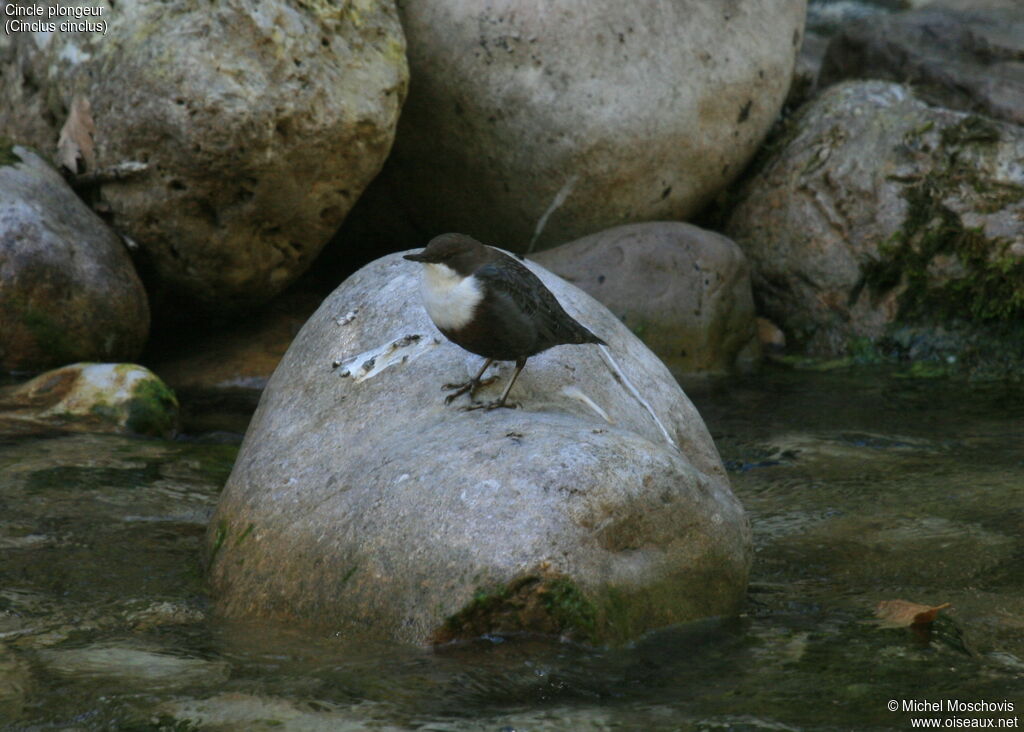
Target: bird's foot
(496,404)
(470,386)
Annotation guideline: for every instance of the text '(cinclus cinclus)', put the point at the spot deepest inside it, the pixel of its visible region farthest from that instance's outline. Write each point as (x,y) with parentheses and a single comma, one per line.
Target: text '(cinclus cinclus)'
(493,306)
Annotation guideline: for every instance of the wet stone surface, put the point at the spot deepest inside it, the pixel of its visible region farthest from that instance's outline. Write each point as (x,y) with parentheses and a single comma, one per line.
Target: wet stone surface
(861,488)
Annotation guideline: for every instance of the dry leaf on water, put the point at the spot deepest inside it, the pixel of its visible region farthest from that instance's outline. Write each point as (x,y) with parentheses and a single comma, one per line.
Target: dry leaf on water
(901,613)
(75,146)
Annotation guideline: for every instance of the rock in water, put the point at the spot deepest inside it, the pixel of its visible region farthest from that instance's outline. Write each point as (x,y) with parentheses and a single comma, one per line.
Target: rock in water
(683,290)
(68,290)
(234,136)
(557,120)
(90,397)
(361,504)
(876,212)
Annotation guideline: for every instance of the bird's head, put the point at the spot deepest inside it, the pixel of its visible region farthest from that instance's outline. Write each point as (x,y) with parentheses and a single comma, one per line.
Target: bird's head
(460,253)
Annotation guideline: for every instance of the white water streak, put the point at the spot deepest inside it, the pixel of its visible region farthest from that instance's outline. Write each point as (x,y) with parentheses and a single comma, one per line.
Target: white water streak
(636,395)
(574,392)
(558,200)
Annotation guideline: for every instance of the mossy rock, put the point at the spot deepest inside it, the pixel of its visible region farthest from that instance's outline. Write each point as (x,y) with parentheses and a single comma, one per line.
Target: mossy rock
(535,604)
(91,397)
(879,213)
(991,284)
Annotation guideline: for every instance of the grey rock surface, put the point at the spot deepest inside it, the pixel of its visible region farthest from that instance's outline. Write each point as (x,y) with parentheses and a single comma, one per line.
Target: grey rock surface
(68,289)
(685,291)
(253,127)
(556,120)
(968,58)
(361,504)
(877,210)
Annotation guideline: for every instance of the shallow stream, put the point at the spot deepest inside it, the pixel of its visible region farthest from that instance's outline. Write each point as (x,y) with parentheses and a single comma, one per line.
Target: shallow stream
(861,487)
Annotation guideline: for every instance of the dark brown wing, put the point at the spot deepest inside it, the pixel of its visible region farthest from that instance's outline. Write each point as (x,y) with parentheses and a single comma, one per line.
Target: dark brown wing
(511,279)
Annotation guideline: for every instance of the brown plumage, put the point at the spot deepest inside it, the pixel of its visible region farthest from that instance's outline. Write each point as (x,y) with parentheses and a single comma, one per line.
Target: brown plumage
(493,306)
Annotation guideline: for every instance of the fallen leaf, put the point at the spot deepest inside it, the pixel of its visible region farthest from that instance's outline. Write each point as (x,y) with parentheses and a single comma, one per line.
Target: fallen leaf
(75,150)
(901,613)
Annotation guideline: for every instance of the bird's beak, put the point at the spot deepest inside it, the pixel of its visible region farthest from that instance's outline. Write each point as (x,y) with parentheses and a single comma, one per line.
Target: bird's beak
(414,257)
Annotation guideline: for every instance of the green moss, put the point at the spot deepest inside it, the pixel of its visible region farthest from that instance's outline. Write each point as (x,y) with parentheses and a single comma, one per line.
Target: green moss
(926,370)
(105,412)
(7,154)
(50,335)
(219,537)
(864,351)
(569,607)
(991,286)
(617,614)
(244,535)
(153,409)
(971,130)
(531,604)
(912,136)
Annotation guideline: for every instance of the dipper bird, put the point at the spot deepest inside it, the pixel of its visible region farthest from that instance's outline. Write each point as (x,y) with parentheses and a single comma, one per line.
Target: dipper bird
(493,306)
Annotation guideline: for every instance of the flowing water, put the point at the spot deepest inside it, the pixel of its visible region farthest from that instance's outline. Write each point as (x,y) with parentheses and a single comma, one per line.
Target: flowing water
(861,487)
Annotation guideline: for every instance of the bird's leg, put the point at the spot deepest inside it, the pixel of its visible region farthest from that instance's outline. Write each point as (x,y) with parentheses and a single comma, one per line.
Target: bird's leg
(471,386)
(500,402)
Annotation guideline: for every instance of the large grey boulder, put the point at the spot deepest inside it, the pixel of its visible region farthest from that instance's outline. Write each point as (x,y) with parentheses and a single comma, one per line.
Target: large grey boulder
(685,291)
(879,211)
(967,58)
(532,118)
(68,289)
(361,504)
(230,139)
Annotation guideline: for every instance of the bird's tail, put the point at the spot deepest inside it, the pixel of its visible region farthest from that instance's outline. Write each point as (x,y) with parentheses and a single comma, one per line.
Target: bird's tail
(582,335)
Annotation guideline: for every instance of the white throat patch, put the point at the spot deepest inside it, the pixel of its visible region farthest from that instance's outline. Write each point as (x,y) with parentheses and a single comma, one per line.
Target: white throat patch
(450,299)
